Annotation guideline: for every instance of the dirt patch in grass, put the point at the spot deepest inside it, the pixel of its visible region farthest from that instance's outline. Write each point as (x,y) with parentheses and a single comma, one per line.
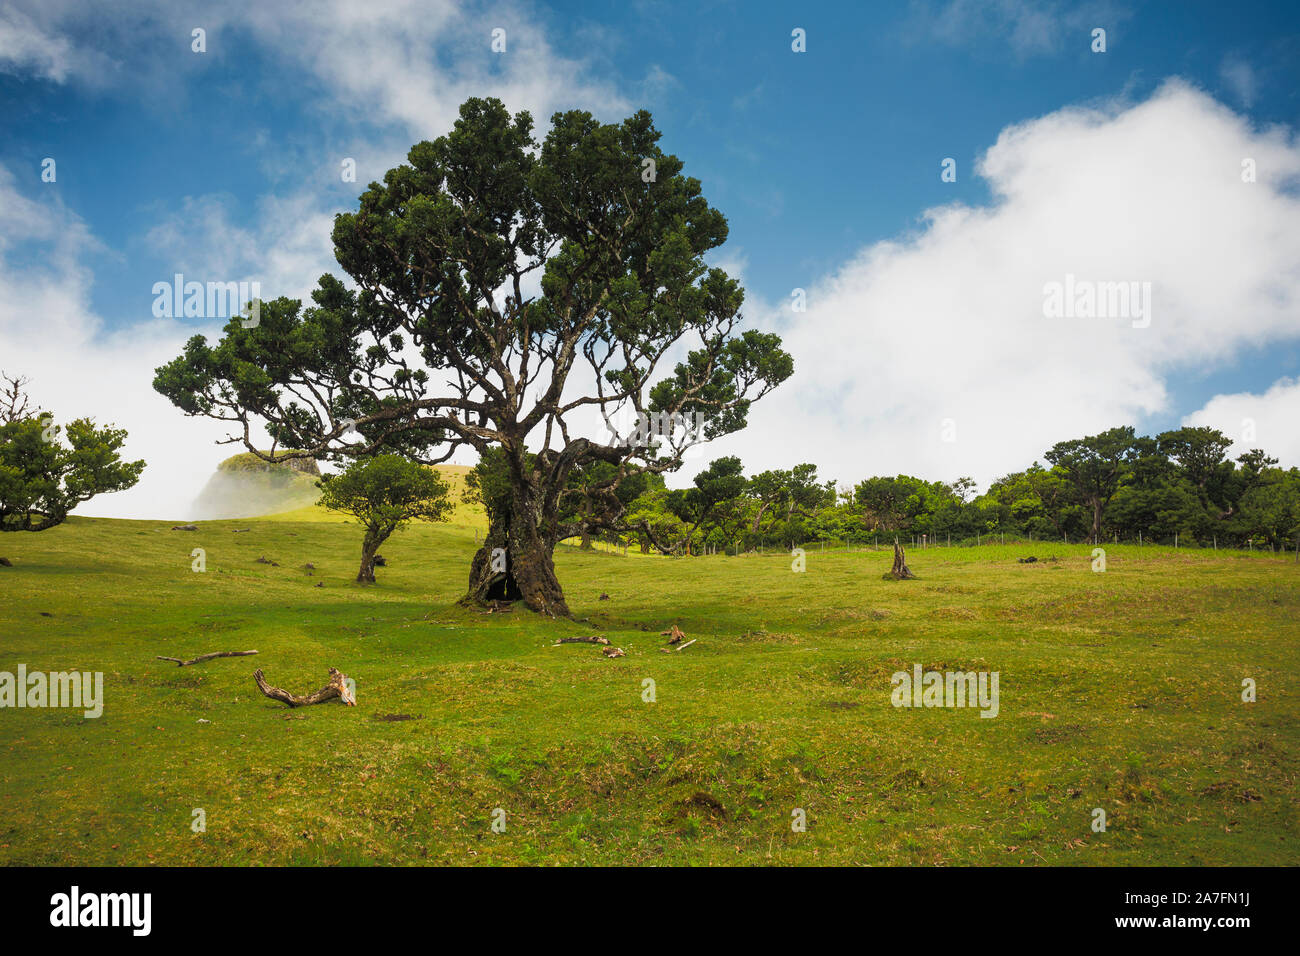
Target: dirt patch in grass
(867,674)
(705,803)
(1056,735)
(1231,790)
(766,637)
(953,614)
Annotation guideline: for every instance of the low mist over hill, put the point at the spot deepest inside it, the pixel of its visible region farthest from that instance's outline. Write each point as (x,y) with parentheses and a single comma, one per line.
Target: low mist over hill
(245,486)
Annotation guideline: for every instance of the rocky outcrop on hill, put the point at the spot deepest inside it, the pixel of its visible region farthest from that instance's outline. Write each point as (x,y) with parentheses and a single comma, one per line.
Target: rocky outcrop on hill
(245,486)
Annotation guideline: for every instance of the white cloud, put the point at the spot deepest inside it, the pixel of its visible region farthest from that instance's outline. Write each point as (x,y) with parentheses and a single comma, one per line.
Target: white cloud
(1266,421)
(28,46)
(1239,77)
(287,250)
(385,59)
(948,323)
(1026,27)
(50,334)
(407,63)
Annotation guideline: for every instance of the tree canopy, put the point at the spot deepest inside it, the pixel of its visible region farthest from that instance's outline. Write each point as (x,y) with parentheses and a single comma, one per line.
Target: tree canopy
(1176,486)
(42,480)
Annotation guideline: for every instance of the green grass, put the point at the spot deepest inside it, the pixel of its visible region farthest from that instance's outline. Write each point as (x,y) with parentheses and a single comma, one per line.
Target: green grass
(1119,690)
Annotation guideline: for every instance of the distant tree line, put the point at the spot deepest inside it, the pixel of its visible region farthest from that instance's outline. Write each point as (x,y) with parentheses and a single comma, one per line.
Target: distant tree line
(1178,485)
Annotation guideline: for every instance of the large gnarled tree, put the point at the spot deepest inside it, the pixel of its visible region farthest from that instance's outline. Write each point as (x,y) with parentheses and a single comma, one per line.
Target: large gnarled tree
(507,292)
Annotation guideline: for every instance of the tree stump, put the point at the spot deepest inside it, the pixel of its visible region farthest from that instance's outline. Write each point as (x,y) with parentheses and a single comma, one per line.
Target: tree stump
(900,571)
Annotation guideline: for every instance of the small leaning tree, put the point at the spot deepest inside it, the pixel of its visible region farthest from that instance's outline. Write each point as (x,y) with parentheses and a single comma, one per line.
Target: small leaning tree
(507,293)
(385,494)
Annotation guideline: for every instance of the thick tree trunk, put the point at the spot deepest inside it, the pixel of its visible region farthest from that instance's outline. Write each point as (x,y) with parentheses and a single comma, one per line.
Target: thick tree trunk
(516,563)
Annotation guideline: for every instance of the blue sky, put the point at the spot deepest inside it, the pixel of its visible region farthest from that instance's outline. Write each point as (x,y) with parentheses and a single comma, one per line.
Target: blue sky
(225,163)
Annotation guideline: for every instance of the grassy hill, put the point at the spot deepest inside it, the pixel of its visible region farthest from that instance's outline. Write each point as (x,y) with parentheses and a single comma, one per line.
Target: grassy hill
(1119,691)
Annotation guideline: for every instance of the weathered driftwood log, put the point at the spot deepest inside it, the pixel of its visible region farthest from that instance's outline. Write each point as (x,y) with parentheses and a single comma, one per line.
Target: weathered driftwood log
(594,639)
(614,652)
(335,688)
(206,657)
(674,635)
(900,570)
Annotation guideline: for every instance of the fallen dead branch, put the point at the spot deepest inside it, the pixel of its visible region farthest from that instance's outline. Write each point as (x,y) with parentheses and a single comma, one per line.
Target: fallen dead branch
(206,657)
(674,635)
(335,688)
(614,652)
(679,647)
(593,639)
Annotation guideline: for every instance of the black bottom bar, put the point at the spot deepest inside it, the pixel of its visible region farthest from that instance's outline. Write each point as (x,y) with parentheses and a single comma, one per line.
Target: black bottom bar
(299,905)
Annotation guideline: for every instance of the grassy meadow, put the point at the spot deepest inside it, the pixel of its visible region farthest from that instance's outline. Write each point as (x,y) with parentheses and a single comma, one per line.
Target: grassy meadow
(1119,690)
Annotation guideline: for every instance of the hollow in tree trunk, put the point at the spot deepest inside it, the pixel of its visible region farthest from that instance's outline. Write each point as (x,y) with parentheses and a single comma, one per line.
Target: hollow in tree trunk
(900,571)
(516,563)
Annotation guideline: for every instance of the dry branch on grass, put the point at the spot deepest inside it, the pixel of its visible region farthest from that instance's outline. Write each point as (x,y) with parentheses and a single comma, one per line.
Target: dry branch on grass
(593,639)
(335,688)
(614,652)
(206,657)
